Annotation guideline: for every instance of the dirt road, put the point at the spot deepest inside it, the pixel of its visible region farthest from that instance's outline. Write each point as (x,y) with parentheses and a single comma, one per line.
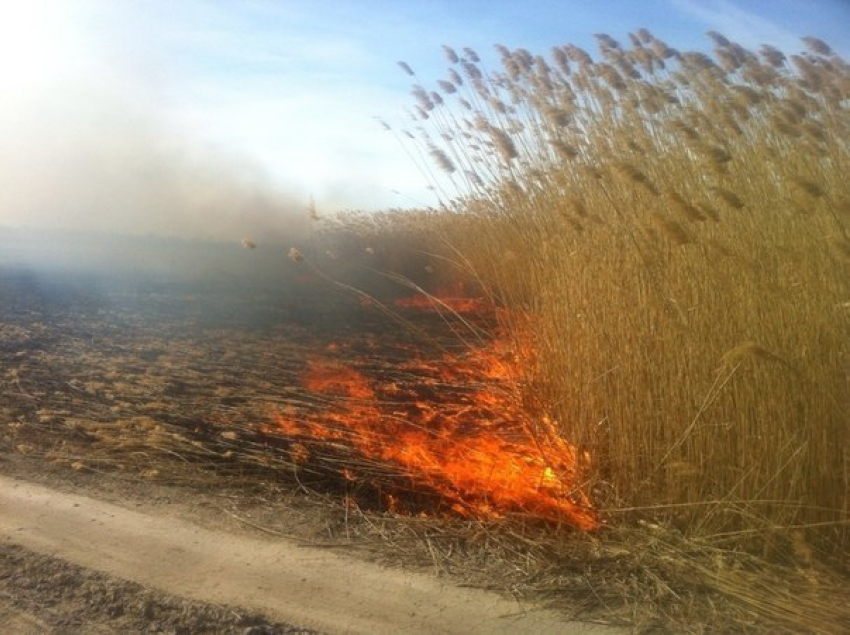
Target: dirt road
(315,588)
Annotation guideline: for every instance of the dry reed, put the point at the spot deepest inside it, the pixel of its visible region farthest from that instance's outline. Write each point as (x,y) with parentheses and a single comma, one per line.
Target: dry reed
(679,227)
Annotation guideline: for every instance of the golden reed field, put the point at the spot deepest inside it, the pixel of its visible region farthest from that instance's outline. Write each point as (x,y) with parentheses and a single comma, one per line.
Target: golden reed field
(666,233)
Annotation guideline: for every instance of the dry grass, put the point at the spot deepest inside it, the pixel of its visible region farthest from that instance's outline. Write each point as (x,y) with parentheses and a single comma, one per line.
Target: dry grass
(675,227)
(122,421)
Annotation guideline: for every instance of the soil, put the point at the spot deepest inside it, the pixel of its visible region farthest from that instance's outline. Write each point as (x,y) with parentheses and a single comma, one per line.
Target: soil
(213,570)
(44,594)
(138,493)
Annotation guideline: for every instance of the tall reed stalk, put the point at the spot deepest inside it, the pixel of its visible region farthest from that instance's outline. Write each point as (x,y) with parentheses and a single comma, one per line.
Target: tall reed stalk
(675,227)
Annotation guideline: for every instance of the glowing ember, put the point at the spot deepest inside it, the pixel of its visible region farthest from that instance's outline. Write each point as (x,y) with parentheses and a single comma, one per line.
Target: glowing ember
(454,427)
(339,379)
(458,305)
(454,298)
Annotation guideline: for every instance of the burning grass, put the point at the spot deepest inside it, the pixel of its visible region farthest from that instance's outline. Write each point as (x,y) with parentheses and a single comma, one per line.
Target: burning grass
(454,426)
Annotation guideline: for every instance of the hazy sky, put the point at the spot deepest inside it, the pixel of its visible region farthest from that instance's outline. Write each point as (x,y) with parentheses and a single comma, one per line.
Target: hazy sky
(221,118)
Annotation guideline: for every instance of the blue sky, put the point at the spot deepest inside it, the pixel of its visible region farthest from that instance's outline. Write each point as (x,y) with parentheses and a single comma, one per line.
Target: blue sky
(216,118)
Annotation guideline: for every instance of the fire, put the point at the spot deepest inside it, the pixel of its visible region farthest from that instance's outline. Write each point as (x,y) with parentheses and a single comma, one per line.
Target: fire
(458,305)
(453,298)
(454,427)
(321,377)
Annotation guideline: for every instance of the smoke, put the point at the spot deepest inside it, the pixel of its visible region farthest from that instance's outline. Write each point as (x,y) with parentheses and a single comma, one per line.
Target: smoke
(91,141)
(120,127)
(105,165)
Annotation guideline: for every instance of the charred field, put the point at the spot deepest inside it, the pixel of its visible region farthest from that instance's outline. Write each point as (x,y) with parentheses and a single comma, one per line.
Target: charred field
(247,396)
(109,375)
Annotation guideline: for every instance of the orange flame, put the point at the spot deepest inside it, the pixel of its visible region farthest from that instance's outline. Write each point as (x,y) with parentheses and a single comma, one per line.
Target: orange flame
(453,298)
(455,426)
(322,377)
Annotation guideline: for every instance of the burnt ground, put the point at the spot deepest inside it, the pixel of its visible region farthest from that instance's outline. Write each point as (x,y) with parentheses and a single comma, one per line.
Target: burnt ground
(184,381)
(80,351)
(157,394)
(153,393)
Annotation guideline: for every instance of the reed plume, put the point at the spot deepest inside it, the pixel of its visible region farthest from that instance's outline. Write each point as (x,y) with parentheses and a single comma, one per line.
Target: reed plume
(656,197)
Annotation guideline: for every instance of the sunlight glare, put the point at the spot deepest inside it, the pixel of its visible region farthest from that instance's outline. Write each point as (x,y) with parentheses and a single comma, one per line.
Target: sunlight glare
(38,45)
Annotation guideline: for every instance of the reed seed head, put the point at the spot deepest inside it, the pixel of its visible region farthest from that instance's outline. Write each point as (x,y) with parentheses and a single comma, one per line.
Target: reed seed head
(808,187)
(561,60)
(447,87)
(818,46)
(718,39)
(671,229)
(471,55)
(682,207)
(629,172)
(295,255)
(422,98)
(729,197)
(442,159)
(772,55)
(472,71)
(503,143)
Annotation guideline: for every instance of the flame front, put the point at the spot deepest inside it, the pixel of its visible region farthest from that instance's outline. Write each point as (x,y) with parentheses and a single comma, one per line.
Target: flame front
(454,426)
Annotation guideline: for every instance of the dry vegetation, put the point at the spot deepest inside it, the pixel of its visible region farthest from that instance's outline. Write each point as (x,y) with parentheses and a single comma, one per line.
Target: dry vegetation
(671,227)
(675,227)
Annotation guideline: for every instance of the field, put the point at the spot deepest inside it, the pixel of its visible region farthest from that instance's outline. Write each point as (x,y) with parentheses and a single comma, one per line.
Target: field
(609,372)
(672,228)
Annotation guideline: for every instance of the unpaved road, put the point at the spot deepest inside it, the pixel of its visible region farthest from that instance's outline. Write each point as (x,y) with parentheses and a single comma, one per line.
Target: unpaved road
(312,587)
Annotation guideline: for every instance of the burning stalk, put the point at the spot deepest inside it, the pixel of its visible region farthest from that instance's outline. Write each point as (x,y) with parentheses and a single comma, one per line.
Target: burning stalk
(453,430)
